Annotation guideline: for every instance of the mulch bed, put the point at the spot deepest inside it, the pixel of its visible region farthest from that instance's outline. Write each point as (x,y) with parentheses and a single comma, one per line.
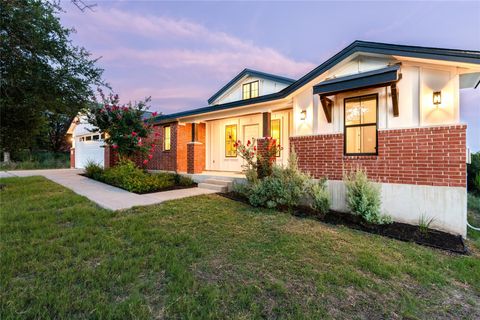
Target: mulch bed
(194,185)
(396,230)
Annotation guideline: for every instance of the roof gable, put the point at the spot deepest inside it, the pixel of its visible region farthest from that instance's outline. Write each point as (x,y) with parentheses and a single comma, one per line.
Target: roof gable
(454,55)
(252,73)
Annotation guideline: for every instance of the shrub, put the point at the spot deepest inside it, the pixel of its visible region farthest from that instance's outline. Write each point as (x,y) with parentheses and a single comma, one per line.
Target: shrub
(285,187)
(320,196)
(93,170)
(128,176)
(182,180)
(473,174)
(363,197)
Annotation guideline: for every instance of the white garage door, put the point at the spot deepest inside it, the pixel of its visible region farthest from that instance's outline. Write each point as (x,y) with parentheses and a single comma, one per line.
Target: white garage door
(89,148)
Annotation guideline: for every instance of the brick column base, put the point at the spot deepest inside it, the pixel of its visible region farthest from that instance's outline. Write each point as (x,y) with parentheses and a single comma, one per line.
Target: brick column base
(72,158)
(110,157)
(195,157)
(263,145)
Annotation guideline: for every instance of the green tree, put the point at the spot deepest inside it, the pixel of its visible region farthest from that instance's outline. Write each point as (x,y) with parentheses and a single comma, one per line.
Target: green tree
(473,174)
(125,126)
(42,72)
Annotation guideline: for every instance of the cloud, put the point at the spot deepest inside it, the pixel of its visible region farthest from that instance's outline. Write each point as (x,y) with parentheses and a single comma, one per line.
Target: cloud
(169,58)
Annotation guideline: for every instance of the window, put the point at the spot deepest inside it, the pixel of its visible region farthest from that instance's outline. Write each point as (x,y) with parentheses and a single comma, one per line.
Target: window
(96,137)
(275,132)
(230,139)
(166,138)
(250,90)
(88,138)
(360,132)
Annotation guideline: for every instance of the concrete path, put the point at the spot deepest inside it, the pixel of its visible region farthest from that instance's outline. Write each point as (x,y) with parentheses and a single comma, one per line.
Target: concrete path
(104,195)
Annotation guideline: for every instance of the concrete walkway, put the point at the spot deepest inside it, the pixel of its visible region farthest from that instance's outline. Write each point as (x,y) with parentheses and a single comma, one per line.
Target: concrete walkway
(104,195)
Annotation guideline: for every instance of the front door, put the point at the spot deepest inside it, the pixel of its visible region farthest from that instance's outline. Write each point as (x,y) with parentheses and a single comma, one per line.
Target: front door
(250,132)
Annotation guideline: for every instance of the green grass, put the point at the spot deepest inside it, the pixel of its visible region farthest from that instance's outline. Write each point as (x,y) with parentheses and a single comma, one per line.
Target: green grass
(211,258)
(38,160)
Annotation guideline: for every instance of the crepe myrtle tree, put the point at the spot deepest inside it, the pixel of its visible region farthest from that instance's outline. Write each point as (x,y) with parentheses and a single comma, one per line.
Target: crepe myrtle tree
(125,127)
(258,164)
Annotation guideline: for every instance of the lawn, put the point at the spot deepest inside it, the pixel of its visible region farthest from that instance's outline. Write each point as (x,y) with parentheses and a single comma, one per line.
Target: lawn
(210,257)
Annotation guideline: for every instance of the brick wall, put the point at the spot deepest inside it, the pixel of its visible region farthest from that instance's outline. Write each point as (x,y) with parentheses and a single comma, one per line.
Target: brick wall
(72,157)
(423,156)
(196,151)
(162,159)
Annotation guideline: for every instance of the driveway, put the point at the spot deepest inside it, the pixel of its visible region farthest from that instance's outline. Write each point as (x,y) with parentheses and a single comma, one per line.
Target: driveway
(104,195)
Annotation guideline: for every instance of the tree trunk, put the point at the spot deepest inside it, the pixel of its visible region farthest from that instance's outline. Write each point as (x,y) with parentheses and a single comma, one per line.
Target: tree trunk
(6,156)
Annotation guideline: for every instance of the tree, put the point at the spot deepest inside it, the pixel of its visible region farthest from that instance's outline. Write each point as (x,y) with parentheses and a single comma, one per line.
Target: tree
(125,127)
(42,72)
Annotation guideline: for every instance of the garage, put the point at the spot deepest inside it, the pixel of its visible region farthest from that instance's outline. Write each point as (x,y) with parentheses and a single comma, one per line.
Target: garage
(87,146)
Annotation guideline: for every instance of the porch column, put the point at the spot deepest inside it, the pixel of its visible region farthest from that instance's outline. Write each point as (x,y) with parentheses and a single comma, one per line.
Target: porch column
(196,149)
(267,117)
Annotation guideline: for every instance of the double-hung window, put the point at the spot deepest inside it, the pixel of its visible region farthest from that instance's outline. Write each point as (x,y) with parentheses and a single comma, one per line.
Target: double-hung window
(361,125)
(230,140)
(275,128)
(166,138)
(250,90)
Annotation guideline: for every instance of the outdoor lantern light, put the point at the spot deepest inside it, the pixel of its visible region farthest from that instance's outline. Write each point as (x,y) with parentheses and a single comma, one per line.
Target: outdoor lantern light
(303,115)
(437,98)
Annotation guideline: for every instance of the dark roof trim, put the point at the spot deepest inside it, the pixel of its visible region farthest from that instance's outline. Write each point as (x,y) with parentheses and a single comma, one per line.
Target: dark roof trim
(357,81)
(253,73)
(468,56)
(218,107)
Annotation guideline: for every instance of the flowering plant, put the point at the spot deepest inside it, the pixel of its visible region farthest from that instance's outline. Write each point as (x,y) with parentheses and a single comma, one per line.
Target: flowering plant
(257,164)
(124,126)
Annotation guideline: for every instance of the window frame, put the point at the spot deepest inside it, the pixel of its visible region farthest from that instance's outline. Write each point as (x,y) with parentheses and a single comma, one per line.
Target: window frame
(165,138)
(234,140)
(345,126)
(279,153)
(249,84)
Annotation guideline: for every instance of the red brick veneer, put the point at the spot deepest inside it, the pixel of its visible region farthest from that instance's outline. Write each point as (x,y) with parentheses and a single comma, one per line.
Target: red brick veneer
(424,156)
(196,151)
(72,157)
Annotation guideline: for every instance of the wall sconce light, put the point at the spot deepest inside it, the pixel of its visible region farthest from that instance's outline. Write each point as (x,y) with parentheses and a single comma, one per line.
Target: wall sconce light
(437,98)
(303,115)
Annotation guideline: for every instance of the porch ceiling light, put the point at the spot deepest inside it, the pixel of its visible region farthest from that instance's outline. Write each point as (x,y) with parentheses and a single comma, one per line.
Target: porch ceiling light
(437,98)
(303,115)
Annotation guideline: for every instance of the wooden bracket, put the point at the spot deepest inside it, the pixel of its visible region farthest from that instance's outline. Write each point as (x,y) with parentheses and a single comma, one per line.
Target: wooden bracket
(393,88)
(327,105)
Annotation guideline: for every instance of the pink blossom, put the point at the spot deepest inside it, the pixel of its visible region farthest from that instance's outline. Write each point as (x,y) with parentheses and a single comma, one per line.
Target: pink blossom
(145,161)
(150,156)
(134,134)
(155,114)
(248,143)
(115,146)
(152,145)
(255,148)
(157,134)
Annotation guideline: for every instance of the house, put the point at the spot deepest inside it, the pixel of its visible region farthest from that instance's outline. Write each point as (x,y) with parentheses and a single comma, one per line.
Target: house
(393,110)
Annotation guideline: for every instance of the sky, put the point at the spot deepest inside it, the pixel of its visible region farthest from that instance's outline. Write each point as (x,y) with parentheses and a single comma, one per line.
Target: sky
(181,53)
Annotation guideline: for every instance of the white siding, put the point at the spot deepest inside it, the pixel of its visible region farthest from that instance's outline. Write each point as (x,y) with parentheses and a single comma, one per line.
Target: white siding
(265,86)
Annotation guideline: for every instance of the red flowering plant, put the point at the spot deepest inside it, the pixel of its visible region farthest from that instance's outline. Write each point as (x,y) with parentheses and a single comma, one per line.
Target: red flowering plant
(125,127)
(257,164)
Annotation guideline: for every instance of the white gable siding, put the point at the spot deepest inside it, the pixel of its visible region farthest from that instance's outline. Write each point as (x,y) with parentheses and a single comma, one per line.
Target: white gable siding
(265,86)
(415,89)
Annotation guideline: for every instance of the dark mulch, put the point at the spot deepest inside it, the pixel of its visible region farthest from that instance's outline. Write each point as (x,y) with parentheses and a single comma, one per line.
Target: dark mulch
(396,230)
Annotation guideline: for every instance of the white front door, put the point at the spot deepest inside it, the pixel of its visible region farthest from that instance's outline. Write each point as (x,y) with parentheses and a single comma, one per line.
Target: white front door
(250,132)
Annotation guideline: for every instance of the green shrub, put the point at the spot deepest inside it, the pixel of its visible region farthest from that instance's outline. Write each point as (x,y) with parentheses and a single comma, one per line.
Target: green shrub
(128,176)
(285,187)
(363,197)
(473,173)
(320,196)
(93,170)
